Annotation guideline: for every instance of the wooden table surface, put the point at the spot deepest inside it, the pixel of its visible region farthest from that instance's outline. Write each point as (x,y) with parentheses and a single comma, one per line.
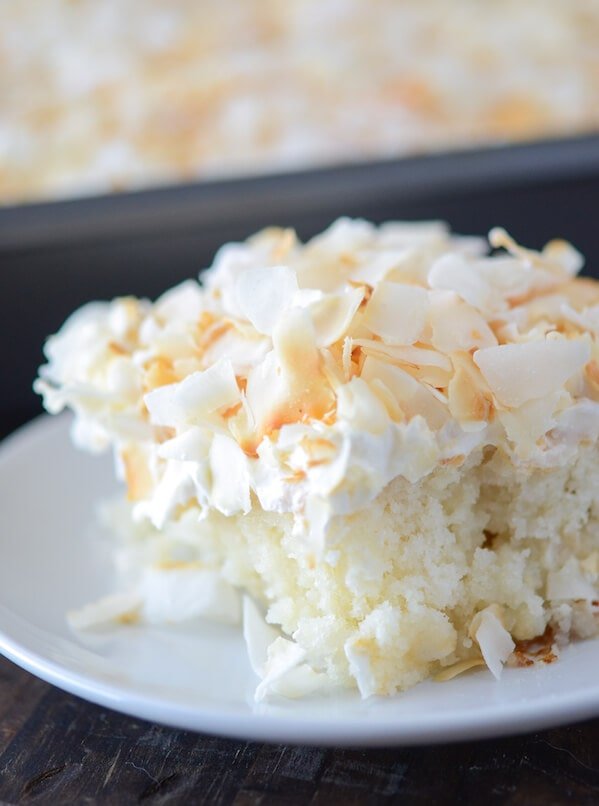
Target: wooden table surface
(57,749)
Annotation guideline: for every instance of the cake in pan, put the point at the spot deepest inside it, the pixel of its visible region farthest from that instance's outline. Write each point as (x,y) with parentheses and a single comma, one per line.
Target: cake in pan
(132,93)
(377,448)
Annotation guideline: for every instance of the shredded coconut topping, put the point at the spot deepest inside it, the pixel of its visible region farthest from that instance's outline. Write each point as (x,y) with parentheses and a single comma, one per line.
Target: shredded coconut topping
(308,376)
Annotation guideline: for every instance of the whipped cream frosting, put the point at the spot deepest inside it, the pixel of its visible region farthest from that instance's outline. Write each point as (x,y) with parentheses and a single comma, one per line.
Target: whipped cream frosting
(305,377)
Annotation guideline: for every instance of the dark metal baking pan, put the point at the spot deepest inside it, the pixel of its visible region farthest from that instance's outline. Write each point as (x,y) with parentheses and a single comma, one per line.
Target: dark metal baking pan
(55,256)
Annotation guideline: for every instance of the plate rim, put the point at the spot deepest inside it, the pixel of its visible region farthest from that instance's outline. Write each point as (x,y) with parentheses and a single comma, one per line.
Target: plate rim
(487,722)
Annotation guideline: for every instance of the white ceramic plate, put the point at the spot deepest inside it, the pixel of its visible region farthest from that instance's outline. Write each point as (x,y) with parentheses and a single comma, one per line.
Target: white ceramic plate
(198,677)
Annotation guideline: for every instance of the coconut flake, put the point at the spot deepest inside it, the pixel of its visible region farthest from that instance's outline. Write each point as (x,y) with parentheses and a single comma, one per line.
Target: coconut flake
(588,319)
(176,487)
(289,385)
(263,294)
(109,609)
(557,254)
(455,273)
(468,397)
(283,655)
(517,373)
(301,681)
(258,635)
(494,640)
(360,666)
(384,394)
(193,445)
(564,255)
(449,672)
(417,356)
(332,315)
(413,397)
(525,425)
(174,595)
(457,326)
(427,365)
(230,476)
(243,349)
(189,401)
(183,303)
(346,358)
(372,269)
(397,312)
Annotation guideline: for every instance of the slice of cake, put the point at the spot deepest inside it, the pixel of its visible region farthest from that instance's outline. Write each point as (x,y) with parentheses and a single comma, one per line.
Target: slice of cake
(384,436)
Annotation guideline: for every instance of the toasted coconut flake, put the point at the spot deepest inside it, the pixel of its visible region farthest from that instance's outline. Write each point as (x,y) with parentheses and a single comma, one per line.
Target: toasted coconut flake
(243,350)
(582,293)
(267,394)
(373,269)
(384,394)
(564,255)
(125,315)
(557,254)
(117,607)
(413,397)
(456,325)
(468,396)
(289,386)
(417,356)
(587,319)
(159,371)
(427,365)
(455,273)
(525,425)
(183,303)
(198,395)
(242,427)
(331,370)
(346,357)
(263,294)
(499,238)
(449,672)
(276,242)
(494,640)
(138,477)
(332,315)
(517,373)
(397,312)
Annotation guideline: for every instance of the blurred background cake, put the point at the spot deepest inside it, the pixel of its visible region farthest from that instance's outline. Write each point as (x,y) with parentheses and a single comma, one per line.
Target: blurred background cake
(121,95)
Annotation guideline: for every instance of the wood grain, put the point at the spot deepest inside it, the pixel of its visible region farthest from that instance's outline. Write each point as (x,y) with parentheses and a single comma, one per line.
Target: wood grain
(55,749)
